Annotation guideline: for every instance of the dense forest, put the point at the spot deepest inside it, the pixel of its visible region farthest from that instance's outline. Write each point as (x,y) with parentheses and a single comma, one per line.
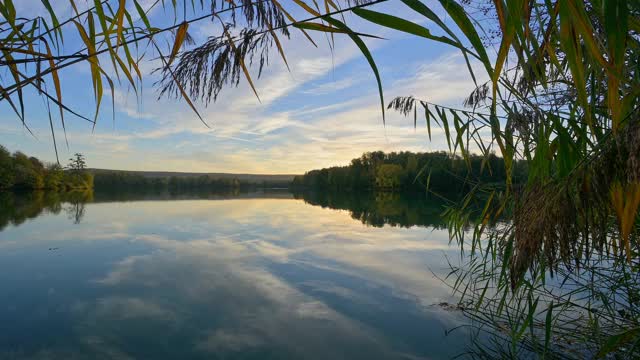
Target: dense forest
(127,181)
(19,171)
(407,171)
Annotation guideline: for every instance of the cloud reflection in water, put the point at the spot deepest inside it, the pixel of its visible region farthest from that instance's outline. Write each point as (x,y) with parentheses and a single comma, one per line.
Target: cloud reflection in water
(246,278)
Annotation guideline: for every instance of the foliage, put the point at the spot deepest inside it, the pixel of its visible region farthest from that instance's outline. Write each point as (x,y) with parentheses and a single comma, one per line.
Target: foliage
(439,172)
(389,176)
(21,172)
(77,163)
(55,177)
(562,95)
(7,176)
(124,181)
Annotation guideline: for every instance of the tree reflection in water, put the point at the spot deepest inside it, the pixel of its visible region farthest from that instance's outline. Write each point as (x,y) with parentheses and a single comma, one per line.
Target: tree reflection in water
(19,207)
(371,208)
(382,208)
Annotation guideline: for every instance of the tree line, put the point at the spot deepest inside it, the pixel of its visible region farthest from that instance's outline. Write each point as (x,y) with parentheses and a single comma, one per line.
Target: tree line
(127,181)
(121,181)
(407,171)
(19,171)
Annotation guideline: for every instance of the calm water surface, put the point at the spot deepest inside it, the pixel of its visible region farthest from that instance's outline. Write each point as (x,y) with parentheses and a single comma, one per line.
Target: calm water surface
(264,276)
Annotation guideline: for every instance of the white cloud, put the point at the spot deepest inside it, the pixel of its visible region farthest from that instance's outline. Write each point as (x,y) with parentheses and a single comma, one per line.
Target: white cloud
(445,80)
(332,86)
(305,120)
(255,139)
(135,110)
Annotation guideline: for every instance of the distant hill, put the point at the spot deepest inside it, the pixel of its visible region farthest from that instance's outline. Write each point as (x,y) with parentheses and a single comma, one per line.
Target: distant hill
(251,178)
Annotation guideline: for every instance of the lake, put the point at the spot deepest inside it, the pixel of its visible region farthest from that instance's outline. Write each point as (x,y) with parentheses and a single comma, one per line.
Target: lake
(265,275)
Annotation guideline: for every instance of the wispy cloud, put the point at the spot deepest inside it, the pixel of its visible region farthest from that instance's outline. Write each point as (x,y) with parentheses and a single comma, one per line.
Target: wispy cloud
(332,86)
(322,113)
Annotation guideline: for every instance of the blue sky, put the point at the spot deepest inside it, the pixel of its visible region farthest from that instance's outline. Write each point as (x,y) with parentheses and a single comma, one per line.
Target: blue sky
(324,112)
